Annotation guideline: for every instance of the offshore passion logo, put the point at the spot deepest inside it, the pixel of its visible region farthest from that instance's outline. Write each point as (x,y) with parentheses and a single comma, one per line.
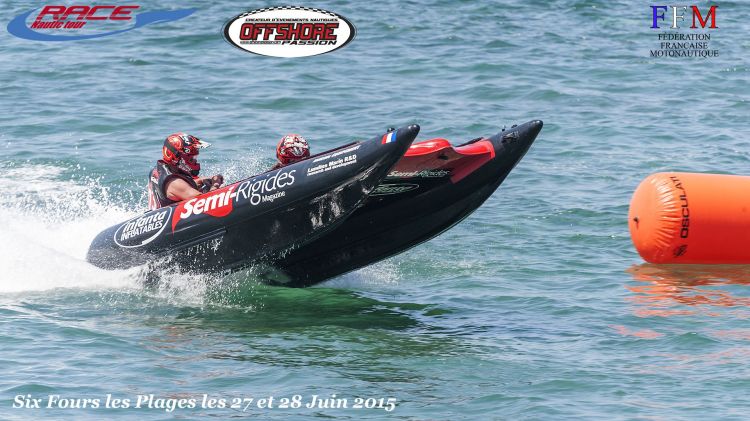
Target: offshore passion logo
(86,22)
(289,31)
(220,203)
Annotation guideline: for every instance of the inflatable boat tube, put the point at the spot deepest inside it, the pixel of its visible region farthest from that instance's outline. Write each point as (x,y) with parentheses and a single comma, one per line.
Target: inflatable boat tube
(261,216)
(692,218)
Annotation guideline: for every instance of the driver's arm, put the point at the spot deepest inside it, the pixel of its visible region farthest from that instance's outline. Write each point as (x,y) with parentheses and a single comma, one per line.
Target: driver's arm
(178,189)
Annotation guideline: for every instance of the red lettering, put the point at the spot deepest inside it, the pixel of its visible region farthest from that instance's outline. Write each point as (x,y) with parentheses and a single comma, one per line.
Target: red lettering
(318,30)
(87,13)
(293,32)
(328,35)
(123,11)
(306,31)
(282,32)
(246,31)
(38,24)
(711,14)
(55,11)
(267,29)
(81,11)
(250,31)
(92,12)
(288,31)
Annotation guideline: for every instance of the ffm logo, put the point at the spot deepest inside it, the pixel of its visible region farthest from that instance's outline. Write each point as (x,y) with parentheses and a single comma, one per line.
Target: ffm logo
(658,13)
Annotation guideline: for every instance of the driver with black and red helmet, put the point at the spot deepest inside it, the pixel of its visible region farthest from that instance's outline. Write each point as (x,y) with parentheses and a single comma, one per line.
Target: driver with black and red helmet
(175,176)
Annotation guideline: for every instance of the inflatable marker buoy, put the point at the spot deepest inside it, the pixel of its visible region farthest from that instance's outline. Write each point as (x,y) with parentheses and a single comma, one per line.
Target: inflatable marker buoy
(692,218)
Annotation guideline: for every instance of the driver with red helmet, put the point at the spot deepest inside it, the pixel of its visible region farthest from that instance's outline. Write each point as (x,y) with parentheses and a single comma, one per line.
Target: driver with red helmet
(175,176)
(291,148)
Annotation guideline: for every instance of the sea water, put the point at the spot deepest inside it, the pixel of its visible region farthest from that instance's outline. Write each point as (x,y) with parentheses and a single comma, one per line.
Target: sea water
(535,307)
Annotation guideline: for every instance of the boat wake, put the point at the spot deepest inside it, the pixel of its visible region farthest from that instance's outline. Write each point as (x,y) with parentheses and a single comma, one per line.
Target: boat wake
(49,223)
(51,217)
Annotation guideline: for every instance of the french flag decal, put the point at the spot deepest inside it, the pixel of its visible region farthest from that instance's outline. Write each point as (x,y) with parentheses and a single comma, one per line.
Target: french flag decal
(389,137)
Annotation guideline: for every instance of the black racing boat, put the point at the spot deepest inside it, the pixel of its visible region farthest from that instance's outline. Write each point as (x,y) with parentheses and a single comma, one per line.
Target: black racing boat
(258,218)
(433,187)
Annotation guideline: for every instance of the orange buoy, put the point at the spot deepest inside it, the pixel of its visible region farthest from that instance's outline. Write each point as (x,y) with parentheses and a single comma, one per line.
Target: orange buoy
(692,218)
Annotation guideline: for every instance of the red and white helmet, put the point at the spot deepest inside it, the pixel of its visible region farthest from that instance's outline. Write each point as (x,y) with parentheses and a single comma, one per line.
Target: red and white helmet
(180,150)
(292,148)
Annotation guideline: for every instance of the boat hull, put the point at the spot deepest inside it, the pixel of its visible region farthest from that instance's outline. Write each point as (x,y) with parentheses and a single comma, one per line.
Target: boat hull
(257,218)
(433,187)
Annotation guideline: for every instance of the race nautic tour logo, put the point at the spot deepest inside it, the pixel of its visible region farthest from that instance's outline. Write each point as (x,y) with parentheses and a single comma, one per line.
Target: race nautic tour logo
(71,23)
(694,43)
(289,31)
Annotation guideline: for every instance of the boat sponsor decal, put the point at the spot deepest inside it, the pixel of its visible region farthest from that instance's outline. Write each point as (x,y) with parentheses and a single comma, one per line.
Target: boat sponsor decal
(143,229)
(217,203)
(386,189)
(420,174)
(389,137)
(289,31)
(87,21)
(338,159)
(337,153)
(332,164)
(266,189)
(220,203)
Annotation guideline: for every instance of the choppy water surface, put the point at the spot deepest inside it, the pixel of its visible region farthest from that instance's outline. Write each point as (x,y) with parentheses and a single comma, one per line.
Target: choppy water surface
(537,306)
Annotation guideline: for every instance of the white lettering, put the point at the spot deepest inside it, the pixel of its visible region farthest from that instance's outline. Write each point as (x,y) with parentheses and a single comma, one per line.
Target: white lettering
(143,225)
(255,190)
(207,204)
(243,189)
(273,183)
(188,208)
(291,175)
(675,16)
(214,201)
(198,207)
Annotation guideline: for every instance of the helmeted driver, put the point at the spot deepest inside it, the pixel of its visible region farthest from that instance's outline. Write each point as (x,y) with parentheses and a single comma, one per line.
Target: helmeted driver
(175,176)
(291,148)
